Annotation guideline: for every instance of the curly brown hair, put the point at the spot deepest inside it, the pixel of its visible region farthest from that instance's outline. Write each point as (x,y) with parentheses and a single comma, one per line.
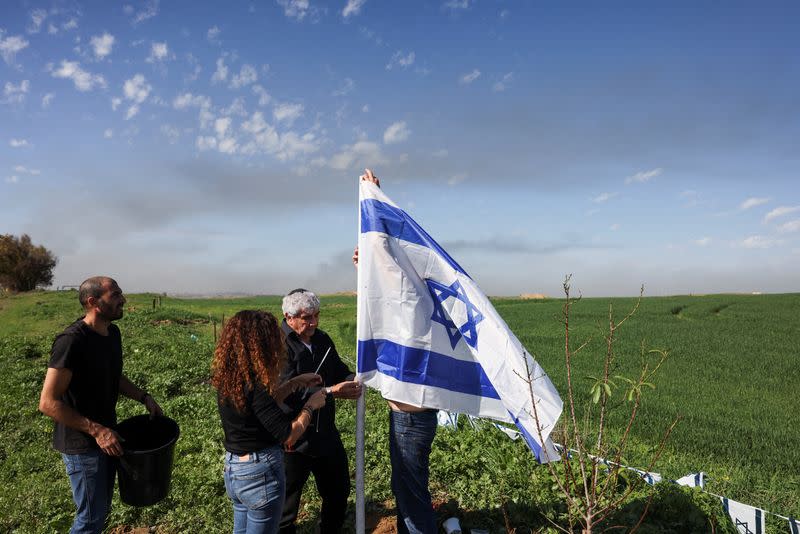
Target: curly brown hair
(250,351)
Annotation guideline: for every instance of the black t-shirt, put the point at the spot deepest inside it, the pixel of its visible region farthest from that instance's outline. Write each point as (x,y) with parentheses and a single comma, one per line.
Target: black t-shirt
(299,360)
(262,424)
(96,364)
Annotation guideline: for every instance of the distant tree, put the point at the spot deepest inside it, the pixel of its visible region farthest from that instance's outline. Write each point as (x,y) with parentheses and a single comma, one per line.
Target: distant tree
(23,265)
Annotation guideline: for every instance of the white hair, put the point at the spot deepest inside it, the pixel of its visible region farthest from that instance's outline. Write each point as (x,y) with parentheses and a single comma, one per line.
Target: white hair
(299,301)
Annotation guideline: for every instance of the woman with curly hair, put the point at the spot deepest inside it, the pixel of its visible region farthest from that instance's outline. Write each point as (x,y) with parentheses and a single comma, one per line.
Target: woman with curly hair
(245,372)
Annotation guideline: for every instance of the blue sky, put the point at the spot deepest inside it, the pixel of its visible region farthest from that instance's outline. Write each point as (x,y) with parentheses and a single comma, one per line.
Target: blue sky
(208,147)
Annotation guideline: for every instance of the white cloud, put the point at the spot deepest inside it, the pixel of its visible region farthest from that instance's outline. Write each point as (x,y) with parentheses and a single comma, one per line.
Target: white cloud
(469,77)
(222,125)
(115,102)
(347,86)
(236,108)
(365,108)
(247,75)
(603,197)
(83,80)
(15,94)
(358,156)
(758,241)
(441,153)
(102,45)
(149,11)
(47,99)
(702,242)
(221,74)
(227,145)
(296,9)
(263,96)
(188,100)
(158,52)
(18,143)
(264,136)
(790,227)
(780,211)
(137,89)
(71,24)
(396,133)
(399,59)
(213,33)
(38,17)
(457,4)
(643,176)
(132,112)
(10,46)
(171,133)
(353,7)
(24,170)
(502,84)
(12,180)
(614,227)
(752,202)
(456,179)
(108,133)
(287,113)
(206,143)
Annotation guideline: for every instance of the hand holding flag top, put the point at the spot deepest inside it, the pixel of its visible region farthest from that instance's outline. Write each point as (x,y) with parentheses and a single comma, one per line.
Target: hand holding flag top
(429,337)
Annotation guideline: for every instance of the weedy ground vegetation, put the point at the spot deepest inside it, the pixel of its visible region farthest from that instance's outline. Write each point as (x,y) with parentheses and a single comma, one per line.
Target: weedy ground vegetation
(731,375)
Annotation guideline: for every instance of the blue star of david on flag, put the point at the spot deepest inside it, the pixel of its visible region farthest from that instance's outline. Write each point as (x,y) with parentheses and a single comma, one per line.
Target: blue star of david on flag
(468,330)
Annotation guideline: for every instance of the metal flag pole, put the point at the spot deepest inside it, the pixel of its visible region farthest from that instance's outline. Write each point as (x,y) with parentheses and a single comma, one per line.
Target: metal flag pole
(361,403)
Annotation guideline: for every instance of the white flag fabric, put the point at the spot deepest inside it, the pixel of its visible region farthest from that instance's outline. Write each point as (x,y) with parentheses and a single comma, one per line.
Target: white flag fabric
(747,519)
(448,419)
(794,525)
(693,480)
(428,336)
(649,477)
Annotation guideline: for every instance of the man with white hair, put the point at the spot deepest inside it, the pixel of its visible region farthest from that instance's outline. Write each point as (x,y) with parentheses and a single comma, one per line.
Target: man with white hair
(320,450)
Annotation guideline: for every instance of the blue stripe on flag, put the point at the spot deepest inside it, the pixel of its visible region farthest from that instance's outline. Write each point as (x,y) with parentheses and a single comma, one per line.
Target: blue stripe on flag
(377,216)
(794,525)
(758,521)
(532,443)
(421,366)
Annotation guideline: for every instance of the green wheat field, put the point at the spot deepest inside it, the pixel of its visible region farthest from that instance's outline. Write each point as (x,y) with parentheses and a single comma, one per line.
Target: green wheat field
(731,375)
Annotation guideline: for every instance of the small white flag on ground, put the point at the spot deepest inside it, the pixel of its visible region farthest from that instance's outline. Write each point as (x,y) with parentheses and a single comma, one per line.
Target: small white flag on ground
(448,419)
(747,519)
(428,336)
(693,480)
(649,477)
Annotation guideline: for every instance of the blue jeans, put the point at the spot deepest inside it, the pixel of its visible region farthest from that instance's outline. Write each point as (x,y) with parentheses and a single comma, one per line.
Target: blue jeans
(256,487)
(91,475)
(410,438)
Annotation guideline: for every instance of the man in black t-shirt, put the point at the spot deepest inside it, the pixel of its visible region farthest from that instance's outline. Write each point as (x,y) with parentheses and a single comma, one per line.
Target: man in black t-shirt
(319,450)
(84,379)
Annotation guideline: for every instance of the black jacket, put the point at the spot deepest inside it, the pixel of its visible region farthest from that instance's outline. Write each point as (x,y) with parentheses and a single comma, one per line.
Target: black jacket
(301,360)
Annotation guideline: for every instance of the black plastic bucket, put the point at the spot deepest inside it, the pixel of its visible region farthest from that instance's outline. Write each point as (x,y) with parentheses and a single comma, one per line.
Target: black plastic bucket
(145,468)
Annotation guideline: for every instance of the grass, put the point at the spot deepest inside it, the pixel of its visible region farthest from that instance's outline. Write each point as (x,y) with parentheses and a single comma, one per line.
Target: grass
(731,374)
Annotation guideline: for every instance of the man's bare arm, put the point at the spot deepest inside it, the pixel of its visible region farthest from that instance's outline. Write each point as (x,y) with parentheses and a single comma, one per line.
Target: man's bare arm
(56,382)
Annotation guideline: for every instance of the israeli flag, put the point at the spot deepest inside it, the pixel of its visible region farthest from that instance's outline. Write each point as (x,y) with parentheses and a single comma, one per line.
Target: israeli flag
(693,480)
(746,518)
(650,478)
(428,336)
(447,419)
(794,525)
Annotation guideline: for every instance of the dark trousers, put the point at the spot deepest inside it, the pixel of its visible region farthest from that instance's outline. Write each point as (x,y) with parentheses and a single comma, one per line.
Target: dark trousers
(332,475)
(410,437)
